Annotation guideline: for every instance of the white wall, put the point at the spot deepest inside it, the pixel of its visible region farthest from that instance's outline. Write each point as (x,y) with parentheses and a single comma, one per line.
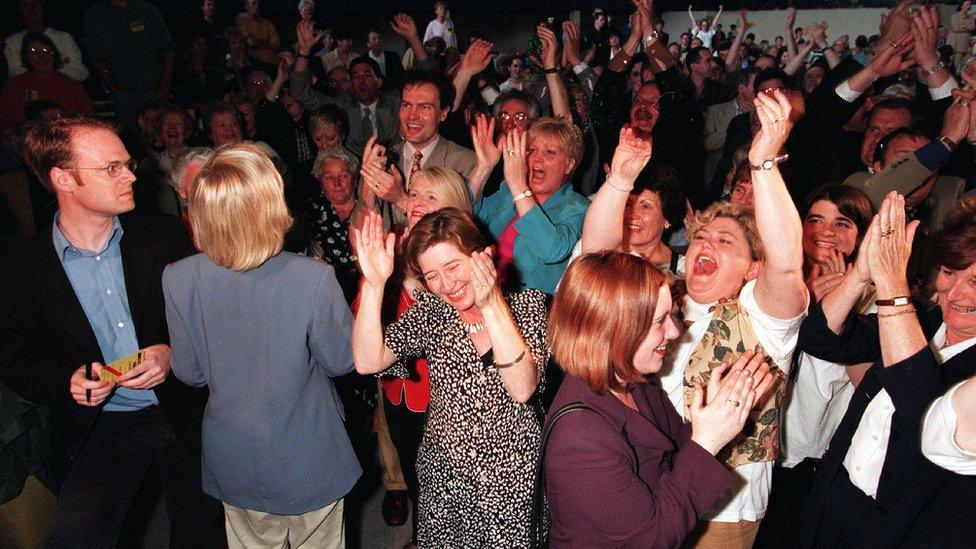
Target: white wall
(767,24)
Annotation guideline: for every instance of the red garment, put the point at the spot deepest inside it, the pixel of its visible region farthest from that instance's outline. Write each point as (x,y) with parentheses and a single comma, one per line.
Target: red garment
(28,87)
(416,391)
(507,271)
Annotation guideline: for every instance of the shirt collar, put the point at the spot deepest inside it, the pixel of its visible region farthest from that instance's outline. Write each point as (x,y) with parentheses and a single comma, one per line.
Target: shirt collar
(62,244)
(944,354)
(408,149)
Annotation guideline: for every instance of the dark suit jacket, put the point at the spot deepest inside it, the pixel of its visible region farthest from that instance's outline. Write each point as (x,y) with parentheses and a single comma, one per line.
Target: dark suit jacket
(616,478)
(45,335)
(392,70)
(918,504)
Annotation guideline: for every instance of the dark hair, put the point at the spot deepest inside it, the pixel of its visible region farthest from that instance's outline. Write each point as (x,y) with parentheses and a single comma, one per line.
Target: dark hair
(445,89)
(367,60)
(694,55)
(766,75)
(48,145)
(33,36)
(341,33)
(221,107)
(449,225)
(955,243)
(851,202)
(666,182)
(861,42)
(330,114)
(879,149)
(184,115)
(371,30)
(534,110)
(751,36)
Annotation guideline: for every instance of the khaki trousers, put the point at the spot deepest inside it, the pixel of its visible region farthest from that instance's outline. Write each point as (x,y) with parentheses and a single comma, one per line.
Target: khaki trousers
(390,461)
(723,535)
(321,528)
(25,521)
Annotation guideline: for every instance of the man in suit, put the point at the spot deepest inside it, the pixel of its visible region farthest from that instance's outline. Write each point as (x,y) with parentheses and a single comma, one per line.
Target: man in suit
(369,110)
(717,118)
(79,296)
(390,64)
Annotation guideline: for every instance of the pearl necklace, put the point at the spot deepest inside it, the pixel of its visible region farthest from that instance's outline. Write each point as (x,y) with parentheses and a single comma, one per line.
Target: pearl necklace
(473,328)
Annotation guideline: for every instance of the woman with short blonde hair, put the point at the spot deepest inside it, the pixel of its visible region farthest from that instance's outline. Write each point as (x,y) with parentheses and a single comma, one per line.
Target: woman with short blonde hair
(266,331)
(237,208)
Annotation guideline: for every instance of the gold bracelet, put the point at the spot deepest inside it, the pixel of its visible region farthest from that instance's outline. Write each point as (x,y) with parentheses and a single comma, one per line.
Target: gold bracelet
(896,313)
(514,362)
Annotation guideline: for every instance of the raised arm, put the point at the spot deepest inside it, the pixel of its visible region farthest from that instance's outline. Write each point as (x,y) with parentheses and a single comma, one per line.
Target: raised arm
(487,150)
(694,22)
(798,60)
(603,225)
(790,35)
(474,61)
(405,26)
(554,77)
(374,248)
(300,83)
(732,56)
(925,33)
(818,33)
(715,19)
(516,363)
(780,290)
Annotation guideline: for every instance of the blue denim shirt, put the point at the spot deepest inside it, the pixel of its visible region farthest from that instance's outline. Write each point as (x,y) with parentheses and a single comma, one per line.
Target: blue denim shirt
(98,281)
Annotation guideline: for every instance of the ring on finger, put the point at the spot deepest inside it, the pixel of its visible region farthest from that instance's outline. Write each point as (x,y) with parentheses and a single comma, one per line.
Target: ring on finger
(735,403)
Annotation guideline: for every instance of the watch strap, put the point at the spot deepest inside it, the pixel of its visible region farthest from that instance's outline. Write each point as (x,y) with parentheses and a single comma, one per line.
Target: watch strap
(897,301)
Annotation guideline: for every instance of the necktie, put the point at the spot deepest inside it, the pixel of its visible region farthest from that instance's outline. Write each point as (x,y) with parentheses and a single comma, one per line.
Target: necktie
(367,122)
(416,163)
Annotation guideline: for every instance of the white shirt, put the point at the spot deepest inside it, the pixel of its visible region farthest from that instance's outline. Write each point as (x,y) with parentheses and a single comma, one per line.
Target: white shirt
(939,428)
(749,495)
(445,30)
(71,64)
(406,162)
(380,59)
(704,36)
(869,446)
(818,400)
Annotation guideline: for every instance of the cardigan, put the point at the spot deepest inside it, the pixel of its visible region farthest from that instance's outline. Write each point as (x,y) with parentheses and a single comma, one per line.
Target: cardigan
(917,503)
(546,234)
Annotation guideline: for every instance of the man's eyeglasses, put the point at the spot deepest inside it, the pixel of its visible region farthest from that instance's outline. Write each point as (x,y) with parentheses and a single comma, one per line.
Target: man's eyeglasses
(648,103)
(518,117)
(114,169)
(44,51)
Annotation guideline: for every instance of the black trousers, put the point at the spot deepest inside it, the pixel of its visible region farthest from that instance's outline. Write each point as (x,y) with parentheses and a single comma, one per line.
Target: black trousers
(110,467)
(406,431)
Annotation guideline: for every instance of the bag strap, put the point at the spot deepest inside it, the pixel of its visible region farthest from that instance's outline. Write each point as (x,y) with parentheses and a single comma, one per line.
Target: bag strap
(536,538)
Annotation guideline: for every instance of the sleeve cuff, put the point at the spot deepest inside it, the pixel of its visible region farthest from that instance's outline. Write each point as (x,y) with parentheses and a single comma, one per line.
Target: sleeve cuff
(578,69)
(845,92)
(933,156)
(945,90)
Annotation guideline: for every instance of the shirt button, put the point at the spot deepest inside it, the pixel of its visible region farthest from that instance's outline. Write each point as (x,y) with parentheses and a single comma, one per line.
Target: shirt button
(109,292)
(875,437)
(98,258)
(121,324)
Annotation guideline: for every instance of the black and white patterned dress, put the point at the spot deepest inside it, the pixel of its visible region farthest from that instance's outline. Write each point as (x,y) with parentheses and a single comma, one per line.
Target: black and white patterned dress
(477,457)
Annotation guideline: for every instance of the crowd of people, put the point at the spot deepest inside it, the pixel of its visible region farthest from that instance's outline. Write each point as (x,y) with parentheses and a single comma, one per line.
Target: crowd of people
(611,290)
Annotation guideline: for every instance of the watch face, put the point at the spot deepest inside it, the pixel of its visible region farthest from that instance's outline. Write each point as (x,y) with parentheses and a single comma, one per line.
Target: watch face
(768,164)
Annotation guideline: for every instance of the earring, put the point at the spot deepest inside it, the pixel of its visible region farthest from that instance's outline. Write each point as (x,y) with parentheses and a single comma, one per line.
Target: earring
(667,224)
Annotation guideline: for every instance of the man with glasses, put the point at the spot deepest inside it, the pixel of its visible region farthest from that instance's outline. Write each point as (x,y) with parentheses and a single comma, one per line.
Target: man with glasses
(78,298)
(33,13)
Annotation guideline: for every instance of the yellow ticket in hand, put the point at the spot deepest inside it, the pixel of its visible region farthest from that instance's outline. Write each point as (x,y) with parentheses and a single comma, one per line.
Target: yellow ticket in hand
(118,368)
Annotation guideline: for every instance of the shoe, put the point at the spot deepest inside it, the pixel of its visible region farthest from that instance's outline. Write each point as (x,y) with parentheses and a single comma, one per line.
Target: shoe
(395,509)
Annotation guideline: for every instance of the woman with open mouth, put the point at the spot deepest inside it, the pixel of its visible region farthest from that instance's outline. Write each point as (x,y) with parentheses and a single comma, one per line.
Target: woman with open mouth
(874,487)
(485,353)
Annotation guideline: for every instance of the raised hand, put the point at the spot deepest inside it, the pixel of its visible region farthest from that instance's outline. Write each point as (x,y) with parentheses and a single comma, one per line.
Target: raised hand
(550,49)
(571,45)
(374,250)
(630,156)
(516,171)
(307,37)
(895,58)
(719,413)
(790,17)
(773,111)
(957,123)
(827,275)
(486,149)
(404,25)
(477,58)
(925,34)
(895,25)
(891,246)
(484,277)
(744,23)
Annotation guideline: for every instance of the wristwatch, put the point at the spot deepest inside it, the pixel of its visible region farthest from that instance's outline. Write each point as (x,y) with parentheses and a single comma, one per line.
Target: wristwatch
(768,164)
(651,37)
(521,195)
(894,302)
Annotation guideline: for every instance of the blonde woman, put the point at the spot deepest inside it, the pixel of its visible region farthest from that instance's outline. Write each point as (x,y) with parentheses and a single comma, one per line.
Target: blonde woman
(264,331)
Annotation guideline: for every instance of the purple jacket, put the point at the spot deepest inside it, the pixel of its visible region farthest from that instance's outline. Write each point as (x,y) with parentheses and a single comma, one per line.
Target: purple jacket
(623,479)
